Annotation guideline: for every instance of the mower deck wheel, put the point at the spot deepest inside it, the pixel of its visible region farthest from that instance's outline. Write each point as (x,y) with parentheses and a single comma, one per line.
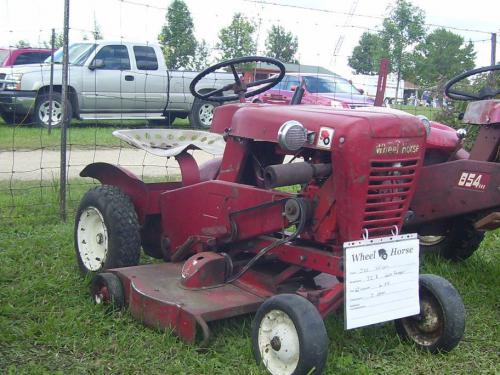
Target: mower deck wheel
(107,288)
(441,323)
(289,336)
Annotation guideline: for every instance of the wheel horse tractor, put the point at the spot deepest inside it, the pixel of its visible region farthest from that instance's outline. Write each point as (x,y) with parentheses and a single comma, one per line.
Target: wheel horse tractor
(303,215)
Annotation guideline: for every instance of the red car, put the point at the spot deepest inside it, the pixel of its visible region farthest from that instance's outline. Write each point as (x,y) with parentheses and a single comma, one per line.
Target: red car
(322,89)
(22,56)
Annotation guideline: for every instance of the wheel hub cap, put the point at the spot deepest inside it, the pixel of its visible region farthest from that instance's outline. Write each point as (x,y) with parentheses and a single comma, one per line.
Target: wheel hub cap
(44,112)
(278,343)
(92,236)
(206,114)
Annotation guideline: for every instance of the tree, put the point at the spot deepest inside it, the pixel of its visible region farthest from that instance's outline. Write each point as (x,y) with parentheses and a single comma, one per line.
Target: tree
(441,56)
(202,56)
(22,43)
(365,58)
(236,40)
(177,36)
(402,29)
(282,45)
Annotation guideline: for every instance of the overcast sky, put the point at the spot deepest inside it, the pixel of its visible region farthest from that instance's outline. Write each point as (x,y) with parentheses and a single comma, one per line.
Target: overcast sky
(319,32)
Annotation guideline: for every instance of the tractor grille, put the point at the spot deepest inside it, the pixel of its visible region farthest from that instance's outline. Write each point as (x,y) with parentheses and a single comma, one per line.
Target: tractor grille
(389,188)
(2,76)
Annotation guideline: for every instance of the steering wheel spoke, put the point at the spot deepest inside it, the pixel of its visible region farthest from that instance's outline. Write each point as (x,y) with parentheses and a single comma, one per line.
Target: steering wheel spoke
(239,88)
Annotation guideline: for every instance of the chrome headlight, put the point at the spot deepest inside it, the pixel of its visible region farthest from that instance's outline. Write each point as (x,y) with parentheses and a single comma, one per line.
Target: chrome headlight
(427,124)
(13,81)
(292,135)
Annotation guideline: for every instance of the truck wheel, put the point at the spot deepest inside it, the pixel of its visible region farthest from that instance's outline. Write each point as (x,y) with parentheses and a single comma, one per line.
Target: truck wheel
(289,336)
(41,116)
(459,242)
(106,231)
(441,323)
(107,288)
(202,113)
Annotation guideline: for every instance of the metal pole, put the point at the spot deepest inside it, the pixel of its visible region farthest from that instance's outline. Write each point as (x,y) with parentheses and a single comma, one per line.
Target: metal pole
(65,117)
(51,87)
(382,82)
(493,48)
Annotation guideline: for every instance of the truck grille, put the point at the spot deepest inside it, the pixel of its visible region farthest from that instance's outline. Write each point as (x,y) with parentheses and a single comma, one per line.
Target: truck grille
(2,76)
(388,197)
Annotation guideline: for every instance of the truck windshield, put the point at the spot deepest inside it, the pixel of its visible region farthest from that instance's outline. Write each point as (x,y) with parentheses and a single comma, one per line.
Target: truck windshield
(3,56)
(329,85)
(78,53)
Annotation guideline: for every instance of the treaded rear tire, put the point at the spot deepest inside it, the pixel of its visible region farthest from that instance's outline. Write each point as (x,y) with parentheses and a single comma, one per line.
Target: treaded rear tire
(120,242)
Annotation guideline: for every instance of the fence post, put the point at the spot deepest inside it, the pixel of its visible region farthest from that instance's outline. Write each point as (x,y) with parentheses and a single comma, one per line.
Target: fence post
(65,116)
(51,87)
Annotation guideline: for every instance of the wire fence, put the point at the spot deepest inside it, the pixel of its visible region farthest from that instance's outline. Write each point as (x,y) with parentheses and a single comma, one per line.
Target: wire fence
(116,84)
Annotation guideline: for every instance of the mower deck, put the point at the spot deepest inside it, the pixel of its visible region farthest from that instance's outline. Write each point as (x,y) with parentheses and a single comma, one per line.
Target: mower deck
(155,296)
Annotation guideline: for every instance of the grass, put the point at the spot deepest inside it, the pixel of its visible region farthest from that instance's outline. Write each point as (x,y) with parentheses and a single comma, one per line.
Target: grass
(80,134)
(48,323)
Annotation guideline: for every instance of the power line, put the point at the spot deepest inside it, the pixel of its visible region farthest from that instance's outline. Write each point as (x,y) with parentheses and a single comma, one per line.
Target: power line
(265,2)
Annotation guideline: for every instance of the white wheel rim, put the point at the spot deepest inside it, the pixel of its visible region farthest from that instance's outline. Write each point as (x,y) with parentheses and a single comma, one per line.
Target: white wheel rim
(206,114)
(44,113)
(430,240)
(278,343)
(92,238)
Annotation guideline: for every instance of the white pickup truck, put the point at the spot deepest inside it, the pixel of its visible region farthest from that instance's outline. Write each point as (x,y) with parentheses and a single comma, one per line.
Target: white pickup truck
(107,80)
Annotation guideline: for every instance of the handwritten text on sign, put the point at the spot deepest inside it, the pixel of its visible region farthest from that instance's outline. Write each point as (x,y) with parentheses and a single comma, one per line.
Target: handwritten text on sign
(381,279)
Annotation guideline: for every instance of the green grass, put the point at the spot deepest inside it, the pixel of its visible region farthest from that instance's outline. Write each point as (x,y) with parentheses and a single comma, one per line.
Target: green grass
(418,110)
(48,323)
(80,134)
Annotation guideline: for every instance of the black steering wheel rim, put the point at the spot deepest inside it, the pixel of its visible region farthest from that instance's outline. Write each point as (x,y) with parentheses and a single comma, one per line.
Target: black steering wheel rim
(238,86)
(460,95)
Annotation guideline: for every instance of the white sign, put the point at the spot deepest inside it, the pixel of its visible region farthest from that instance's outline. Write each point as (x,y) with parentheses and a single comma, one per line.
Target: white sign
(381,279)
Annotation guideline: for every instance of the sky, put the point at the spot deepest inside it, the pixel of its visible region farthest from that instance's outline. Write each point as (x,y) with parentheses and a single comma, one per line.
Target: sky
(326,35)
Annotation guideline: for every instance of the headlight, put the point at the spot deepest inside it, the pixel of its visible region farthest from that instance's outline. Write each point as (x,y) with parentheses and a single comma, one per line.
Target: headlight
(13,81)
(336,104)
(292,135)
(427,124)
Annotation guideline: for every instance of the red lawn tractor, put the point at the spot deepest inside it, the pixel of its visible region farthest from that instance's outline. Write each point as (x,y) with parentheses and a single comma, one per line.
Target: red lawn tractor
(236,239)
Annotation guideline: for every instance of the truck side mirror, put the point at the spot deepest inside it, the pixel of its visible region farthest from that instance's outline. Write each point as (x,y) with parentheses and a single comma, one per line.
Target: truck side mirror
(293,88)
(361,91)
(96,64)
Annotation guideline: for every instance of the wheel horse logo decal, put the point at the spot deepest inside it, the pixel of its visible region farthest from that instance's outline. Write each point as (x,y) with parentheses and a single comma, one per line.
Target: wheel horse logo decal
(383,254)
(325,138)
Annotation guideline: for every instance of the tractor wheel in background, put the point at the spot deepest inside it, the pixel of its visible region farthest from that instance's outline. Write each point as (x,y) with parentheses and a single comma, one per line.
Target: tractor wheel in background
(42,106)
(441,323)
(289,336)
(106,230)
(107,288)
(459,242)
(202,113)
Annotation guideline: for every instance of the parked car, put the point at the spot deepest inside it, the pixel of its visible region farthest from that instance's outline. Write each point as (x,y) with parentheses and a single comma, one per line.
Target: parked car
(22,56)
(322,89)
(108,80)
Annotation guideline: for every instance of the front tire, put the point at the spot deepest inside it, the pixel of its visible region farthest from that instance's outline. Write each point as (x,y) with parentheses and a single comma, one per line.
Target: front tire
(107,288)
(202,113)
(289,336)
(106,231)
(42,106)
(441,323)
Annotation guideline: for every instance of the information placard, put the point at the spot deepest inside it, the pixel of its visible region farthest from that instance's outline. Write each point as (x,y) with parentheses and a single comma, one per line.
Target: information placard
(381,279)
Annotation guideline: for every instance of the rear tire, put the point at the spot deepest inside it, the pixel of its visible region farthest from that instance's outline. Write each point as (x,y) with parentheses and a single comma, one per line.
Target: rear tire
(441,323)
(106,231)
(202,113)
(458,243)
(41,115)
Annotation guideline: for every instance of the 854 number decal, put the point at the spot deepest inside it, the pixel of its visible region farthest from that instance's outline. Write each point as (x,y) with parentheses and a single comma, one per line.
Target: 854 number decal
(474,180)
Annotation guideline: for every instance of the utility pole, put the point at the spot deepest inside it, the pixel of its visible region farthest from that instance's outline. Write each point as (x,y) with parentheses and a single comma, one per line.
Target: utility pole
(493,48)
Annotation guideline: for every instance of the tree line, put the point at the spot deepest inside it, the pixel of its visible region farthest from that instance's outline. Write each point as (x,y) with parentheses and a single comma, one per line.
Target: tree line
(428,59)
(182,50)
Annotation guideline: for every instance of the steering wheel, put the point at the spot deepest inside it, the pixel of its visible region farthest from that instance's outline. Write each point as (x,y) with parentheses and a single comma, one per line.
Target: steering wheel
(485,93)
(238,86)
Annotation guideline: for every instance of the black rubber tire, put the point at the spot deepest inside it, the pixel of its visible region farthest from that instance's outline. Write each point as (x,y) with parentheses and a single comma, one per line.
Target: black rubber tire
(115,297)
(194,116)
(57,99)
(459,242)
(442,300)
(310,328)
(120,220)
